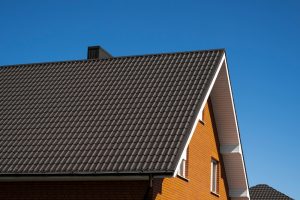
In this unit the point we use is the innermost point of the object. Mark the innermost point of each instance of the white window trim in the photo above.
(214, 176)
(182, 167)
(181, 171)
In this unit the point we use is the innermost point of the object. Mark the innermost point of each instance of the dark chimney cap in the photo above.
(97, 52)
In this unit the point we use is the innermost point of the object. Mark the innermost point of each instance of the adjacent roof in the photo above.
(265, 192)
(118, 115)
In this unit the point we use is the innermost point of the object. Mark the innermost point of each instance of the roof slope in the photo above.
(265, 192)
(118, 115)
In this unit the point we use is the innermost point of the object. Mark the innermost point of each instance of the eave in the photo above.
(130, 176)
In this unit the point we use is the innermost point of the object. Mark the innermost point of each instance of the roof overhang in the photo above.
(221, 97)
(83, 177)
(229, 135)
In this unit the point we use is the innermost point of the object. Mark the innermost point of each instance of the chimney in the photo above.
(96, 52)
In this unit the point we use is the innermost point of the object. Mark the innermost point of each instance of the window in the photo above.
(182, 171)
(214, 176)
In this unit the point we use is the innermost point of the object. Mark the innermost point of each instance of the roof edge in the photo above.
(160, 173)
(229, 134)
(83, 176)
(112, 58)
(237, 123)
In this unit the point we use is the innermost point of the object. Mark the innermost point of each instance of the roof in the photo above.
(265, 192)
(118, 115)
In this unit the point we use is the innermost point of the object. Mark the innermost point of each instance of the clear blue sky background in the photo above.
(262, 39)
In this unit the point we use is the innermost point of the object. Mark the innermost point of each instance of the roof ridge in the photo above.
(112, 58)
(261, 184)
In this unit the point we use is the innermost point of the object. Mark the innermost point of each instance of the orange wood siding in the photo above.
(203, 147)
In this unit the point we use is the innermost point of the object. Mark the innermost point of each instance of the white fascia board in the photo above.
(238, 131)
(234, 146)
(232, 102)
(199, 115)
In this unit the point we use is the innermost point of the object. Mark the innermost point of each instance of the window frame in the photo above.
(181, 171)
(214, 180)
(183, 168)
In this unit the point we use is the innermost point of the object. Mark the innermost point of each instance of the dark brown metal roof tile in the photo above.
(265, 192)
(119, 115)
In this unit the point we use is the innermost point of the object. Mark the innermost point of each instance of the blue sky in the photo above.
(262, 40)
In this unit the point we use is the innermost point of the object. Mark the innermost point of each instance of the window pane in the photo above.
(214, 179)
(181, 171)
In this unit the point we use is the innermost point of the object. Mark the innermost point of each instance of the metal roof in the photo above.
(119, 115)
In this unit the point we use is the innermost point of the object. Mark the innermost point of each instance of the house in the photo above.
(265, 192)
(159, 126)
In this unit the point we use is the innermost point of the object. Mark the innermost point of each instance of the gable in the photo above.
(127, 115)
(228, 132)
(202, 148)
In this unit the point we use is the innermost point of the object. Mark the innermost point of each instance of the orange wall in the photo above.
(203, 146)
